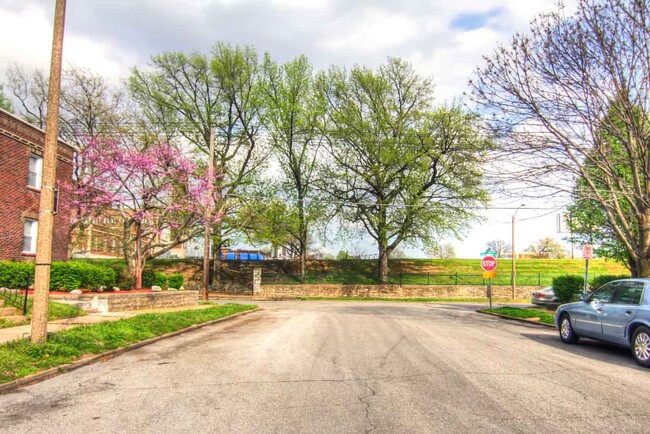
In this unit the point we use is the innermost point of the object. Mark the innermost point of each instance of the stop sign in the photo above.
(489, 263)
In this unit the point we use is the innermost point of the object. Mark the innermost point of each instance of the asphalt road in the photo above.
(346, 367)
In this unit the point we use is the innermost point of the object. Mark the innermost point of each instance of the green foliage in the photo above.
(160, 279)
(547, 247)
(599, 281)
(176, 280)
(15, 275)
(5, 104)
(20, 358)
(152, 277)
(404, 169)
(544, 316)
(565, 287)
(64, 276)
(148, 278)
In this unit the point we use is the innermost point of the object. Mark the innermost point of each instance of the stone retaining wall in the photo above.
(392, 291)
(123, 301)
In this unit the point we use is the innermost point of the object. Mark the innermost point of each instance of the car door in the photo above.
(587, 318)
(617, 314)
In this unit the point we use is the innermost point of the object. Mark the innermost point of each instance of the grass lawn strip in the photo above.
(21, 358)
(544, 316)
(55, 311)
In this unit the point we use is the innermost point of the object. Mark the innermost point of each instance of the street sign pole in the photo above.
(489, 266)
(489, 291)
(587, 254)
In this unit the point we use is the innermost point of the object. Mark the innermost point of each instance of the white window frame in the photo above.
(36, 167)
(30, 229)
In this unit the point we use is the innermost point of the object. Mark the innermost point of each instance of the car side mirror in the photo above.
(583, 297)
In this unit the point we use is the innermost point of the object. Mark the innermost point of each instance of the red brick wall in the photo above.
(18, 141)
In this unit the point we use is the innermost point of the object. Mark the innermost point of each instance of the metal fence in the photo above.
(15, 297)
(453, 279)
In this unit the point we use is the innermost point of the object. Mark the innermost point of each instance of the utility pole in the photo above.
(46, 206)
(513, 275)
(208, 221)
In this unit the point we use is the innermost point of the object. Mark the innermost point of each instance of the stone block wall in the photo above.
(124, 301)
(392, 291)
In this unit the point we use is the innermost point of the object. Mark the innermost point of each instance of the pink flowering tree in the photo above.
(157, 196)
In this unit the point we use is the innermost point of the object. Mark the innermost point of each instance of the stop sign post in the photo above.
(489, 266)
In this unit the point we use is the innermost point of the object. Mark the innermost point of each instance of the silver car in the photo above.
(545, 297)
(618, 313)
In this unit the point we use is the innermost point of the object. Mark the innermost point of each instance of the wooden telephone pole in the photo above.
(208, 221)
(46, 207)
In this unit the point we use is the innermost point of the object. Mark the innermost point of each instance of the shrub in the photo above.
(67, 276)
(160, 279)
(64, 276)
(15, 275)
(599, 281)
(565, 287)
(148, 278)
(176, 280)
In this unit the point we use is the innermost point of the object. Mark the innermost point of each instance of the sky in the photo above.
(444, 40)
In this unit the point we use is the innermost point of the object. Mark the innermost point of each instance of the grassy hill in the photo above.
(405, 271)
(437, 271)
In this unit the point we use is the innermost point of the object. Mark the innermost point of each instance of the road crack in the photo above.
(364, 400)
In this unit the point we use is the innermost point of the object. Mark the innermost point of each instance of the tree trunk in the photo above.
(640, 260)
(303, 239)
(217, 244)
(382, 271)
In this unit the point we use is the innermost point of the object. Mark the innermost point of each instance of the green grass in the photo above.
(545, 316)
(21, 358)
(55, 311)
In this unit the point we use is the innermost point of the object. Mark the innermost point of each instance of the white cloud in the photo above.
(375, 31)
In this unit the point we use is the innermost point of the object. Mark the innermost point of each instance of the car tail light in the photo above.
(541, 294)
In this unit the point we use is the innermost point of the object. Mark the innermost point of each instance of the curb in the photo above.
(89, 360)
(511, 318)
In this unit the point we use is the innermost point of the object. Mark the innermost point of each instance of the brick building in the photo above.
(21, 169)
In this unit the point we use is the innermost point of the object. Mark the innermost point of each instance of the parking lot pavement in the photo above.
(347, 367)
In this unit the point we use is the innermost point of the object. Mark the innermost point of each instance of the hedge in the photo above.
(158, 278)
(64, 276)
(599, 281)
(565, 287)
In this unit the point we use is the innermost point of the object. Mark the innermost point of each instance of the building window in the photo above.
(30, 233)
(35, 172)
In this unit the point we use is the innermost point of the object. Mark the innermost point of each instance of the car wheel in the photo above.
(567, 335)
(641, 346)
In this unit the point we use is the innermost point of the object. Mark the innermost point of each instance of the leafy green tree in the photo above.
(500, 247)
(342, 254)
(397, 166)
(187, 95)
(547, 247)
(570, 101)
(439, 250)
(5, 104)
(293, 115)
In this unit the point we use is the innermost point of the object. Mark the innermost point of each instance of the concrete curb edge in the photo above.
(522, 320)
(89, 360)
